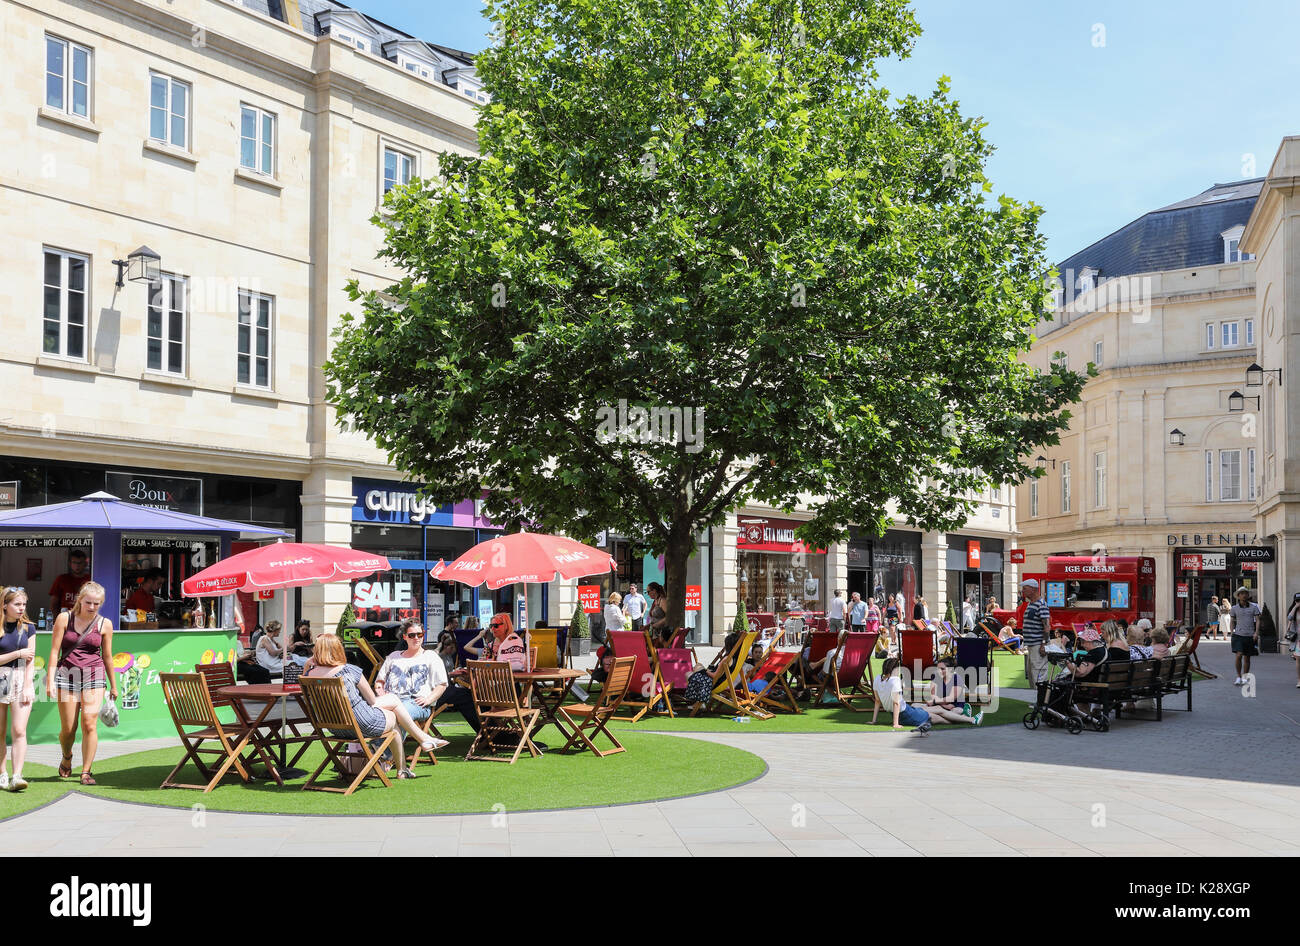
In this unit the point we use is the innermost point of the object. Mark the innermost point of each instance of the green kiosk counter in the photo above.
(139, 657)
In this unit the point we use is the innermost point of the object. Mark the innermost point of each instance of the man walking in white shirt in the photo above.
(835, 616)
(634, 607)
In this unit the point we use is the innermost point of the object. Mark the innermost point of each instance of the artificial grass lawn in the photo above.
(43, 786)
(654, 767)
(820, 719)
(1011, 671)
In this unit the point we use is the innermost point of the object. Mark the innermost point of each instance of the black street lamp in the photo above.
(1177, 438)
(1043, 461)
(1255, 375)
(1237, 402)
(144, 265)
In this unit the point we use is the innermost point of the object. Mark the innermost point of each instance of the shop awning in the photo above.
(103, 511)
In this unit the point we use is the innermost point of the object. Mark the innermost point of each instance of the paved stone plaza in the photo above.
(1223, 780)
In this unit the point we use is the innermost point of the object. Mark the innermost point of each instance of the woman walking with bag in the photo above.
(17, 693)
(81, 655)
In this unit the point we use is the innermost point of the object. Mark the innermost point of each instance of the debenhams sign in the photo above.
(1210, 538)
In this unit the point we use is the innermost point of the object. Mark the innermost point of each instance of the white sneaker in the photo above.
(1237, 682)
(4, 781)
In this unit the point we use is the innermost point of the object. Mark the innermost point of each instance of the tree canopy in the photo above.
(711, 206)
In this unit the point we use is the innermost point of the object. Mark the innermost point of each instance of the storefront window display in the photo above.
(775, 572)
(896, 565)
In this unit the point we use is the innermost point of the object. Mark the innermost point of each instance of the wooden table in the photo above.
(269, 694)
(564, 676)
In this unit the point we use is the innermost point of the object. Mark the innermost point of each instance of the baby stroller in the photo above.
(1055, 703)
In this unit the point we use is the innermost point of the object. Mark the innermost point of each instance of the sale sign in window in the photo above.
(589, 598)
(693, 597)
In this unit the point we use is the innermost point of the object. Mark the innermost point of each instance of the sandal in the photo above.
(65, 767)
(87, 779)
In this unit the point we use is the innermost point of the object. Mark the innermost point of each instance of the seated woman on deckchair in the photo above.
(815, 673)
(701, 682)
(1008, 635)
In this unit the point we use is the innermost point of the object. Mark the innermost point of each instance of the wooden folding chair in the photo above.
(190, 704)
(1190, 651)
(223, 675)
(499, 712)
(999, 644)
(777, 695)
(647, 679)
(370, 654)
(849, 678)
(335, 726)
(596, 716)
(820, 643)
(731, 689)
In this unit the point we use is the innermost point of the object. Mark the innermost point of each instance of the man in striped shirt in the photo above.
(1034, 628)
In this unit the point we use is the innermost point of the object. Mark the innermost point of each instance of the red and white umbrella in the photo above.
(524, 558)
(282, 565)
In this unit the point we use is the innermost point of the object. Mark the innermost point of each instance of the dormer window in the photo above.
(1231, 246)
(348, 26)
(1088, 279)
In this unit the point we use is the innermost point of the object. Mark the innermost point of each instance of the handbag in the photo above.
(108, 715)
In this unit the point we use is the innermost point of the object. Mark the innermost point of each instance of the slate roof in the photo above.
(1178, 236)
(310, 8)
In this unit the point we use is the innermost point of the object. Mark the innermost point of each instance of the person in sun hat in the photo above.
(1245, 632)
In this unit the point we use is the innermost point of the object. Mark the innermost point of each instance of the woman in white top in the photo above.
(888, 692)
(269, 653)
(613, 612)
(1225, 619)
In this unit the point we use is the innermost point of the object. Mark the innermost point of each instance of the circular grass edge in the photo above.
(656, 767)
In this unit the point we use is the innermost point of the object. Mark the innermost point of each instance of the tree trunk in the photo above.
(677, 554)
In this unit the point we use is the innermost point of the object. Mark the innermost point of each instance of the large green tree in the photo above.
(714, 206)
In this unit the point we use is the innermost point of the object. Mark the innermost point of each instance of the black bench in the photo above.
(1115, 683)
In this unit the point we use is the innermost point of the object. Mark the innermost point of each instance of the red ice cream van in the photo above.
(1081, 589)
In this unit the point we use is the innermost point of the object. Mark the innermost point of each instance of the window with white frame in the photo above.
(253, 357)
(1232, 246)
(399, 168)
(165, 326)
(64, 318)
(67, 76)
(169, 110)
(1229, 475)
(1099, 480)
(1209, 335)
(1096, 352)
(1250, 331)
(1065, 486)
(1228, 334)
(257, 140)
(1250, 474)
(1033, 498)
(1209, 476)
(995, 494)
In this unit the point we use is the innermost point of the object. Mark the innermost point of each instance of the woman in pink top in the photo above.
(82, 664)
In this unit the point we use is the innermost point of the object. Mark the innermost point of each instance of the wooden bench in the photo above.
(1125, 681)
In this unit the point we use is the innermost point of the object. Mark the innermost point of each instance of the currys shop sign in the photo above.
(401, 503)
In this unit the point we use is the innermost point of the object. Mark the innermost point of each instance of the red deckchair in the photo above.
(820, 643)
(847, 680)
(777, 694)
(916, 654)
(648, 687)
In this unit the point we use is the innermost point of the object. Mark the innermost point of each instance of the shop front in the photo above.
(975, 572)
(392, 519)
(775, 572)
(105, 540)
(152, 565)
(1201, 573)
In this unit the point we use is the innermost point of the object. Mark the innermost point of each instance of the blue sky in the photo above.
(1178, 98)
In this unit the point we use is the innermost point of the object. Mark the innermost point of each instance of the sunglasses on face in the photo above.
(415, 634)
